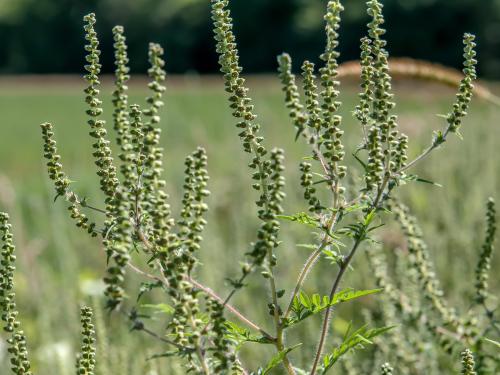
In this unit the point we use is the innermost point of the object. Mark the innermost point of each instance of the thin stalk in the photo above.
(277, 321)
(326, 319)
(303, 275)
(93, 208)
(202, 360)
(426, 152)
(310, 262)
(199, 351)
(343, 267)
(162, 339)
(211, 293)
(233, 310)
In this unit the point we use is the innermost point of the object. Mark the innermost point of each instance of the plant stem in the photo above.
(199, 350)
(310, 262)
(426, 152)
(326, 319)
(343, 267)
(276, 314)
(211, 293)
(162, 339)
(238, 314)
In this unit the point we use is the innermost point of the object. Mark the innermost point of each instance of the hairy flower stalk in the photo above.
(468, 364)
(186, 325)
(292, 96)
(62, 182)
(142, 160)
(426, 275)
(484, 264)
(460, 107)
(156, 199)
(383, 136)
(86, 358)
(19, 361)
(331, 133)
(118, 246)
(363, 109)
(242, 108)
(102, 150)
(120, 96)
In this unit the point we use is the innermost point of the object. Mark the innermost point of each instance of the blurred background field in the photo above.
(60, 268)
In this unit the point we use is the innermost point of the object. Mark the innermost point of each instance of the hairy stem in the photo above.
(233, 310)
(343, 267)
(326, 319)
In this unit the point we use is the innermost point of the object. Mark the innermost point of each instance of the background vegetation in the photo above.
(264, 28)
(53, 253)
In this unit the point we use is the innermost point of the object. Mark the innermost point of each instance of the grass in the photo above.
(60, 267)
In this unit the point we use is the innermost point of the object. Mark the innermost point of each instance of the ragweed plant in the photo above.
(344, 208)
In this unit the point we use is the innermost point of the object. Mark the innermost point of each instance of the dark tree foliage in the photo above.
(38, 35)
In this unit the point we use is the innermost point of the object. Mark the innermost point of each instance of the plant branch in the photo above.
(343, 267)
(427, 151)
(310, 262)
(233, 310)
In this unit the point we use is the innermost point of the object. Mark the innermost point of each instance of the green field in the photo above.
(60, 268)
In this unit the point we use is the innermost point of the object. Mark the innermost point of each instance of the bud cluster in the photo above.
(86, 358)
(17, 349)
(484, 264)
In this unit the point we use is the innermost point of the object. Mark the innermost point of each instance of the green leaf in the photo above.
(423, 180)
(278, 358)
(351, 342)
(305, 306)
(241, 335)
(147, 287)
(301, 218)
(363, 164)
(160, 308)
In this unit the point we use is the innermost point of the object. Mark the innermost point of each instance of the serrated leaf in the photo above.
(301, 218)
(241, 335)
(305, 306)
(351, 342)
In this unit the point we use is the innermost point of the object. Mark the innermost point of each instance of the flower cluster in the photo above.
(62, 182)
(483, 266)
(387, 369)
(186, 325)
(243, 110)
(292, 96)
(17, 349)
(468, 364)
(156, 199)
(86, 358)
(420, 260)
(385, 146)
(122, 76)
(102, 150)
(466, 87)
